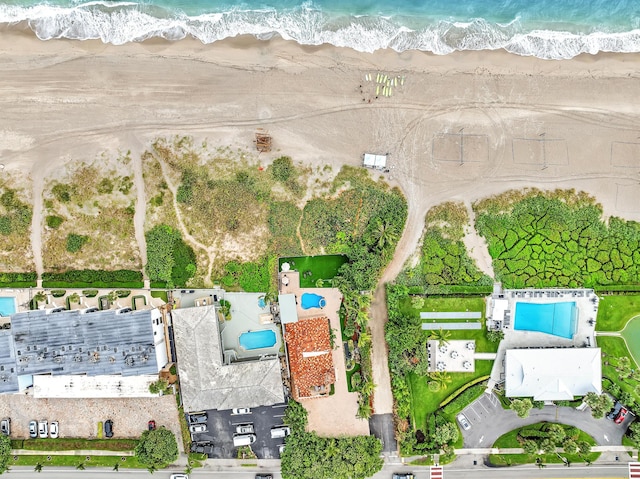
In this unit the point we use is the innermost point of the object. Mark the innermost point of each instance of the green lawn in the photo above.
(323, 267)
(613, 348)
(631, 334)
(72, 444)
(160, 294)
(424, 402)
(444, 304)
(615, 311)
(73, 461)
(510, 440)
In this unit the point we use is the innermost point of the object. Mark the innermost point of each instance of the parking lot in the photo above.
(221, 426)
(79, 417)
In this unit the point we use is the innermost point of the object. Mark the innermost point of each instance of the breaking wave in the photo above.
(123, 22)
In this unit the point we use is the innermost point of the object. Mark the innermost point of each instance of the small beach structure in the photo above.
(377, 162)
(263, 141)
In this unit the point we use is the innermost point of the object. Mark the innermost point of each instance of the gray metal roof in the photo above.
(205, 382)
(8, 375)
(71, 342)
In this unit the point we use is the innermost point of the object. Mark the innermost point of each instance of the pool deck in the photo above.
(333, 415)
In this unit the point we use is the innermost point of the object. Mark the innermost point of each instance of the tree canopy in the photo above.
(157, 448)
(5, 453)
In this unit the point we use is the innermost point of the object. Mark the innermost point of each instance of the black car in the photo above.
(108, 428)
(202, 447)
(198, 418)
(264, 476)
(614, 412)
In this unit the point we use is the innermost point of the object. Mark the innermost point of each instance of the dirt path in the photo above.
(476, 245)
(141, 211)
(36, 222)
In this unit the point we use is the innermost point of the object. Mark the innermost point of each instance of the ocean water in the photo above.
(550, 29)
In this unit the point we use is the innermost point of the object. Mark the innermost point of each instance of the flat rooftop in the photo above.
(73, 342)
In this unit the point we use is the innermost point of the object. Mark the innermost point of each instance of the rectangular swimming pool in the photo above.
(265, 338)
(7, 305)
(558, 319)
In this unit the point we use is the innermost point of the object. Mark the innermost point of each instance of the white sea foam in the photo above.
(122, 22)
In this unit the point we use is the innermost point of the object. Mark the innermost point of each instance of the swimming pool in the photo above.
(558, 319)
(312, 300)
(264, 338)
(7, 305)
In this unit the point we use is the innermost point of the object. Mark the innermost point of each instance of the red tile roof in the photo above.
(310, 356)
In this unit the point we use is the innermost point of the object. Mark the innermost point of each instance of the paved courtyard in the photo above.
(80, 417)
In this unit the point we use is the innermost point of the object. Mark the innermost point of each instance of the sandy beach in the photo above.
(463, 126)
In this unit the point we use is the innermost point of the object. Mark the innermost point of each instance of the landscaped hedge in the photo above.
(87, 278)
(466, 394)
(17, 280)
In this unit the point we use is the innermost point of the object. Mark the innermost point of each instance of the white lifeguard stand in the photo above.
(376, 162)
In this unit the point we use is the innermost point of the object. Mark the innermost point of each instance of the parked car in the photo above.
(33, 429)
(200, 418)
(108, 428)
(621, 415)
(179, 476)
(241, 410)
(197, 428)
(151, 425)
(43, 429)
(264, 476)
(406, 475)
(462, 419)
(281, 449)
(244, 440)
(244, 429)
(614, 412)
(202, 447)
(279, 432)
(5, 426)
(53, 430)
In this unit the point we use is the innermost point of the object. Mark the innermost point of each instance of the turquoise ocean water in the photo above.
(551, 29)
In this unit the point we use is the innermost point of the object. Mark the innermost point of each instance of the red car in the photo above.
(621, 415)
(152, 425)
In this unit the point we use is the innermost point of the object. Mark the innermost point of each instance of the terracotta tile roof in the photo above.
(310, 356)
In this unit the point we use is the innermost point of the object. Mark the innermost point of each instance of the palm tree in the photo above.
(443, 379)
(38, 467)
(80, 466)
(441, 335)
(385, 233)
(116, 466)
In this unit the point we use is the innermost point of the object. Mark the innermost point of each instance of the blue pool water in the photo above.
(558, 319)
(312, 300)
(7, 306)
(265, 338)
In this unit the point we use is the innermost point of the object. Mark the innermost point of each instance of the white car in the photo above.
(179, 476)
(462, 419)
(244, 429)
(43, 429)
(241, 410)
(197, 428)
(53, 430)
(33, 429)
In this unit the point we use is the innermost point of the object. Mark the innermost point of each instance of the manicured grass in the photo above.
(73, 461)
(160, 294)
(323, 267)
(510, 440)
(424, 402)
(613, 348)
(615, 311)
(442, 304)
(631, 333)
(72, 444)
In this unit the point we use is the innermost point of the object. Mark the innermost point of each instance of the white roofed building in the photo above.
(551, 374)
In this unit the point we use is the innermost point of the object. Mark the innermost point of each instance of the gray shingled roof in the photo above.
(70, 342)
(8, 375)
(205, 382)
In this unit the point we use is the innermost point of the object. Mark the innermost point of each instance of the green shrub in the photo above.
(93, 278)
(62, 192)
(54, 221)
(5, 225)
(58, 293)
(123, 293)
(169, 258)
(90, 293)
(17, 279)
(75, 242)
(282, 169)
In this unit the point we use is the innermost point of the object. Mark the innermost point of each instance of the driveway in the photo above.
(489, 421)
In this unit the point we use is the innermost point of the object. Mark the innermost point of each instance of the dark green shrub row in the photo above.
(464, 396)
(17, 280)
(84, 278)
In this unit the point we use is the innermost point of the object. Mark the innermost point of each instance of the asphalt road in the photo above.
(524, 472)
